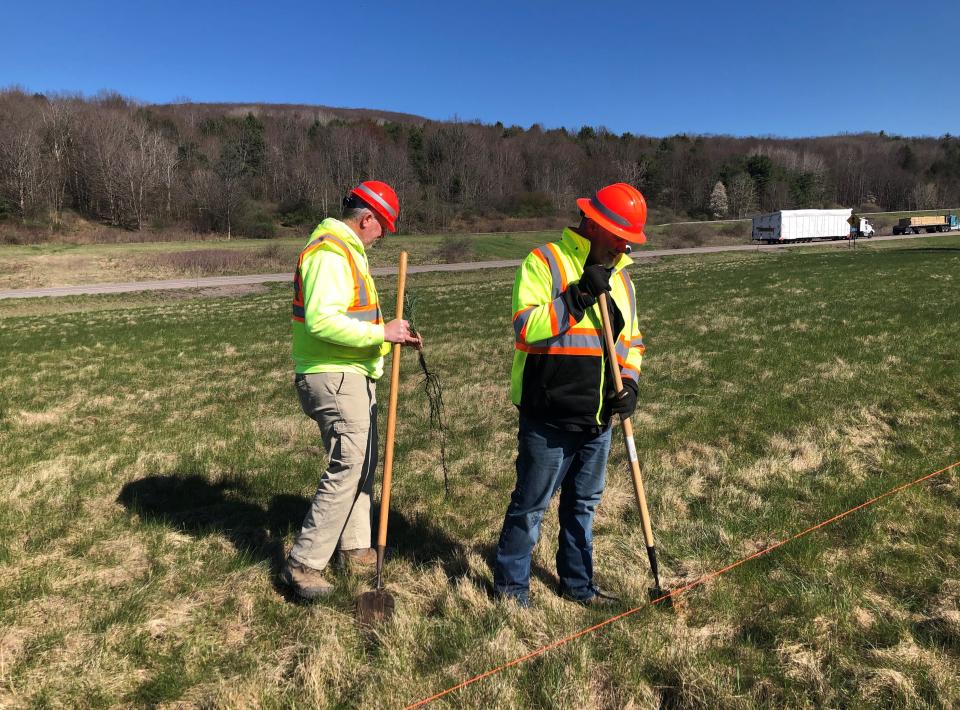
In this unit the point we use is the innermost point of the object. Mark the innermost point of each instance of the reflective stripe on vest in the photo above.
(576, 341)
(361, 308)
(628, 343)
(548, 256)
(559, 313)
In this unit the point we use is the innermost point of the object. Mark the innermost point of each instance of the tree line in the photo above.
(247, 169)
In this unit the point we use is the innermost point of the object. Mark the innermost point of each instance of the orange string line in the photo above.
(676, 592)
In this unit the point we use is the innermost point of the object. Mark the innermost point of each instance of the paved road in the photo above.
(215, 281)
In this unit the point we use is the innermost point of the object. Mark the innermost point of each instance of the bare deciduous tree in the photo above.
(119, 162)
(742, 195)
(22, 168)
(141, 165)
(924, 196)
(58, 124)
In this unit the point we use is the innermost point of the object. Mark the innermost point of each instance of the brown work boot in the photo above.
(360, 559)
(305, 581)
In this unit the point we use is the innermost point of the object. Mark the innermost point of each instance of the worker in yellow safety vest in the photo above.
(564, 391)
(339, 340)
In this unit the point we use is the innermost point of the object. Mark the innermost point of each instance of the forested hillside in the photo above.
(251, 169)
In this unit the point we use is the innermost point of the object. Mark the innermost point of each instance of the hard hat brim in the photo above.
(391, 225)
(586, 206)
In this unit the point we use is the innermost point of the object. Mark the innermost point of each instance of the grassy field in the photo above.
(155, 465)
(33, 266)
(69, 264)
(39, 265)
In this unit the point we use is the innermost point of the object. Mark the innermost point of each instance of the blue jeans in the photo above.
(550, 459)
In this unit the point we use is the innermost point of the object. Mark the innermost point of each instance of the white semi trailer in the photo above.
(807, 225)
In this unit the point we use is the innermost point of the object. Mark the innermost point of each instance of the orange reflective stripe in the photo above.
(362, 302)
(560, 269)
(297, 291)
(336, 241)
(522, 311)
(520, 320)
(554, 323)
(345, 250)
(631, 298)
(548, 255)
(559, 350)
(312, 246)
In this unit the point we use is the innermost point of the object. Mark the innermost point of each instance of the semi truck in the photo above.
(808, 225)
(927, 223)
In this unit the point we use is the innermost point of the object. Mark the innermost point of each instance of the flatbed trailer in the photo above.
(929, 223)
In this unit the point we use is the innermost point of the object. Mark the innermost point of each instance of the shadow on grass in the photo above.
(419, 541)
(192, 504)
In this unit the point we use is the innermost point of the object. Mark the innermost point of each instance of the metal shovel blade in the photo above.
(659, 598)
(375, 606)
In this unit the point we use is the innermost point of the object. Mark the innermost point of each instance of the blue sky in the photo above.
(748, 68)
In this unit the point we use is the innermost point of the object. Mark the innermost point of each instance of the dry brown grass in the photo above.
(175, 603)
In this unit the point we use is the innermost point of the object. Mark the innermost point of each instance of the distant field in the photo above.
(154, 466)
(64, 264)
(35, 266)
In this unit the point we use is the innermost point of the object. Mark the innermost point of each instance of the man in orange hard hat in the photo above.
(339, 340)
(563, 391)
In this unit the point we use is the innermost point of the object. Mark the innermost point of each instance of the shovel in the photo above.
(657, 593)
(378, 605)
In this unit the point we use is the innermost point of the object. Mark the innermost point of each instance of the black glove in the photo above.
(623, 402)
(595, 280)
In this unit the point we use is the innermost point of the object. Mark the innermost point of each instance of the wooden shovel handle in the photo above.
(391, 413)
(638, 489)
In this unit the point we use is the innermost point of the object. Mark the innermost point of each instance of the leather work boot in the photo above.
(307, 582)
(360, 559)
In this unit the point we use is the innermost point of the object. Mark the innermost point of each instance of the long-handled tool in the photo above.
(657, 593)
(378, 604)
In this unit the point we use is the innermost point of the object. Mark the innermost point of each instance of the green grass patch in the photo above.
(155, 466)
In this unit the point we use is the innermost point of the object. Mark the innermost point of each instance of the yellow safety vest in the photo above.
(559, 365)
(336, 319)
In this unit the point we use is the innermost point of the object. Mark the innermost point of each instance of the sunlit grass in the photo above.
(154, 464)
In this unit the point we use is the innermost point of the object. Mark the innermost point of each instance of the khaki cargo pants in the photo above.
(344, 405)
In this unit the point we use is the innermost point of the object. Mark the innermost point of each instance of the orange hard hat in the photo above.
(381, 198)
(618, 208)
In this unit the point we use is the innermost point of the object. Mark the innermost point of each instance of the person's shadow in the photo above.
(194, 505)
